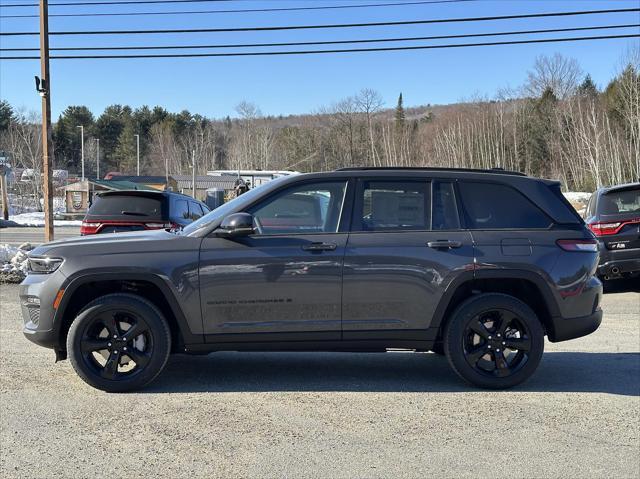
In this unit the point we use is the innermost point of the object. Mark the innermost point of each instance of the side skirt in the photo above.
(356, 346)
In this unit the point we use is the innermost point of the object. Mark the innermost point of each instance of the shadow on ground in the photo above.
(613, 373)
(622, 286)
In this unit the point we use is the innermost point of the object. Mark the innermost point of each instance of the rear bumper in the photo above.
(616, 267)
(564, 329)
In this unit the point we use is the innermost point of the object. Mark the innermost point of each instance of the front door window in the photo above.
(307, 209)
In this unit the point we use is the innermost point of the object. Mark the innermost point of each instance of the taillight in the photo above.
(89, 228)
(606, 229)
(579, 245)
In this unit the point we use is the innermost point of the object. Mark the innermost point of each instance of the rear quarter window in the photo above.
(495, 206)
(180, 209)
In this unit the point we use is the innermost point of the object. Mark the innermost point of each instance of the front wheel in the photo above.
(494, 341)
(119, 343)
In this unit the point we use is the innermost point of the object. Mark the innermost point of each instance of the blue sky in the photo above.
(299, 84)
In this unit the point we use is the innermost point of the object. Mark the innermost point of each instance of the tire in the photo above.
(125, 331)
(494, 341)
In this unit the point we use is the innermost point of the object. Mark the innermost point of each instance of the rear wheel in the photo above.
(119, 342)
(494, 341)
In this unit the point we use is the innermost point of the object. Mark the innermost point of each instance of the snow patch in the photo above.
(13, 262)
(578, 200)
(36, 218)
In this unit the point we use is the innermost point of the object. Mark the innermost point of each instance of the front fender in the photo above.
(183, 296)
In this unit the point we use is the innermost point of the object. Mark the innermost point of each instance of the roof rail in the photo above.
(498, 171)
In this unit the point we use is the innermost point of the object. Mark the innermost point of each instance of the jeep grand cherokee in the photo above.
(478, 265)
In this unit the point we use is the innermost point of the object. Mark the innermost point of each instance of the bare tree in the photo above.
(24, 141)
(370, 102)
(558, 73)
(345, 117)
(629, 106)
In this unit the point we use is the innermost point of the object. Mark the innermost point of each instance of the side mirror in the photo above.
(236, 225)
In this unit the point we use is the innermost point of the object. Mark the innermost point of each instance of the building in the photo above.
(204, 183)
(253, 177)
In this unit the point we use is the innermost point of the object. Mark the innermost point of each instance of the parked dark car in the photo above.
(137, 210)
(478, 265)
(613, 214)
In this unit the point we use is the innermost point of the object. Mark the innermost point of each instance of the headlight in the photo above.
(44, 265)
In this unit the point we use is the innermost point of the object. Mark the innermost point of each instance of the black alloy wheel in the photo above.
(494, 341)
(119, 342)
(497, 343)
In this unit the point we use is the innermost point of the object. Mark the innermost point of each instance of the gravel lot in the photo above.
(327, 415)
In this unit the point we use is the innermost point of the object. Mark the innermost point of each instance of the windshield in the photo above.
(235, 204)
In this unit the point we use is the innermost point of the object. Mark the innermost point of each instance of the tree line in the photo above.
(559, 124)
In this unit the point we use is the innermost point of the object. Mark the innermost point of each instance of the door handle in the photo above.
(320, 247)
(444, 244)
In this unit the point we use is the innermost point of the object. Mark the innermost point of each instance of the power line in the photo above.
(244, 10)
(315, 52)
(119, 2)
(339, 25)
(331, 42)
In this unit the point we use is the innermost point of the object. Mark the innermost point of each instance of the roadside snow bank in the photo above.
(13, 262)
(578, 200)
(36, 218)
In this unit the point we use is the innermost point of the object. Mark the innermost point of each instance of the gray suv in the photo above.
(478, 265)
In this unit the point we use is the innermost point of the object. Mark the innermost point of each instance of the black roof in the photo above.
(141, 179)
(627, 186)
(146, 193)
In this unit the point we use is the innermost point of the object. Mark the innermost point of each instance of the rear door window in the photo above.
(130, 206)
(495, 206)
(393, 206)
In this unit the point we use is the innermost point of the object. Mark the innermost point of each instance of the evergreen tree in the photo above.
(588, 89)
(108, 128)
(125, 154)
(400, 114)
(67, 136)
(6, 115)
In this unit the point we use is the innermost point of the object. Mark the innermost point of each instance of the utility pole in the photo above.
(3, 186)
(82, 149)
(193, 165)
(166, 169)
(98, 158)
(47, 147)
(138, 152)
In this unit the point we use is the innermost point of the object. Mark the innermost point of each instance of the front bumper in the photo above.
(46, 339)
(38, 321)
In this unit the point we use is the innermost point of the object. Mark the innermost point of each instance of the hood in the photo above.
(106, 243)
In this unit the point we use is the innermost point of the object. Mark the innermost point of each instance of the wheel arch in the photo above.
(527, 286)
(82, 290)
